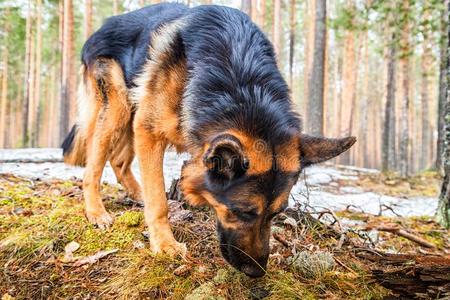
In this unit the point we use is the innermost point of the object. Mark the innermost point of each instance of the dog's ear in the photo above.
(224, 158)
(315, 150)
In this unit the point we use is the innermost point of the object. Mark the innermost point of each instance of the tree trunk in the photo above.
(443, 212)
(88, 18)
(309, 44)
(261, 13)
(3, 101)
(404, 120)
(292, 43)
(254, 10)
(26, 96)
(32, 94)
(411, 276)
(363, 135)
(388, 147)
(37, 89)
(276, 32)
(442, 88)
(246, 6)
(67, 82)
(348, 86)
(316, 80)
(115, 7)
(425, 118)
(4, 90)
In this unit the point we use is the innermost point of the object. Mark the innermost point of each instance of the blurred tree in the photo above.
(276, 31)
(68, 73)
(88, 18)
(317, 77)
(442, 84)
(443, 212)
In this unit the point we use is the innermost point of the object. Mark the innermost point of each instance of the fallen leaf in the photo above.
(182, 270)
(69, 249)
(92, 259)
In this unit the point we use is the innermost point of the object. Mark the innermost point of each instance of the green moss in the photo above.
(130, 218)
(30, 243)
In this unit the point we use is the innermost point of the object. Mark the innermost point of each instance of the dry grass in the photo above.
(37, 220)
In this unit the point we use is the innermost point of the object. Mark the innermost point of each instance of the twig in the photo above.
(344, 266)
(281, 239)
(407, 235)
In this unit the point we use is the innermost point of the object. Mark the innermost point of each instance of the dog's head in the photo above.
(247, 182)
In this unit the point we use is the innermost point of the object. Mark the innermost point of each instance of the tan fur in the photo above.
(105, 130)
(288, 156)
(257, 152)
(156, 125)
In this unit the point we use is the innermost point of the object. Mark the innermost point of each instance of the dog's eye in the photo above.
(245, 215)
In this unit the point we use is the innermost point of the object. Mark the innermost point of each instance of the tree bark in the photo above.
(388, 147)
(316, 80)
(443, 212)
(411, 276)
(442, 88)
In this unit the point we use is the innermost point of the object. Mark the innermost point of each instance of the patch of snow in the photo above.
(350, 190)
(310, 193)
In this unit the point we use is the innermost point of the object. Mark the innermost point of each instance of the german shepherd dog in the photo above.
(204, 80)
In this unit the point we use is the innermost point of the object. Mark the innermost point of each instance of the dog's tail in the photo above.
(74, 145)
(74, 148)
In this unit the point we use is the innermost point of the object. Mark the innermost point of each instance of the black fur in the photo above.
(67, 145)
(234, 81)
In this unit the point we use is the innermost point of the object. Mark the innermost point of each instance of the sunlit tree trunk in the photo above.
(348, 86)
(308, 44)
(67, 82)
(115, 7)
(254, 10)
(317, 78)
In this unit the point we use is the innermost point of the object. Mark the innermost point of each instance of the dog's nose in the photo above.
(253, 270)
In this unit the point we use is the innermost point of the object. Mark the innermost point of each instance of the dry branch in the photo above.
(407, 235)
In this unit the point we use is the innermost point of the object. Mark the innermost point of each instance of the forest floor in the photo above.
(48, 250)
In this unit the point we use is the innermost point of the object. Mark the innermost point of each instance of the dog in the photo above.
(205, 81)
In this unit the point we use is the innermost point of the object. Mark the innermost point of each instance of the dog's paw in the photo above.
(102, 220)
(172, 248)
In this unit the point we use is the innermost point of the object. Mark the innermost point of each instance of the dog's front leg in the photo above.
(150, 152)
